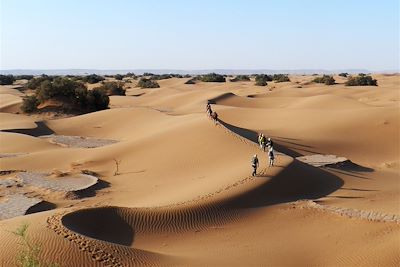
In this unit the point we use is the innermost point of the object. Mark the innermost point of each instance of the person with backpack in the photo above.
(263, 142)
(270, 143)
(254, 164)
(271, 156)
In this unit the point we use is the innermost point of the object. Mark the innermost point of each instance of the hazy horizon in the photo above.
(200, 35)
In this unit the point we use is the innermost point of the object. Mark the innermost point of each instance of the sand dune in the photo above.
(183, 194)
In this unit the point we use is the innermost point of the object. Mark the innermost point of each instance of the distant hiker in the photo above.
(271, 156)
(215, 117)
(270, 144)
(263, 142)
(259, 139)
(208, 109)
(254, 164)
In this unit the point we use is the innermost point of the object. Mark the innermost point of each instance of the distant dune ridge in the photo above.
(171, 188)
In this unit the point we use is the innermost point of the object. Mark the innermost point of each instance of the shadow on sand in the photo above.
(40, 130)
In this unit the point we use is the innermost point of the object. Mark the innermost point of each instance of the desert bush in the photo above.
(92, 78)
(148, 74)
(326, 79)
(211, 77)
(361, 80)
(6, 79)
(23, 77)
(97, 100)
(59, 87)
(118, 77)
(240, 78)
(191, 81)
(34, 83)
(74, 94)
(161, 77)
(112, 88)
(343, 74)
(281, 78)
(262, 79)
(29, 104)
(147, 83)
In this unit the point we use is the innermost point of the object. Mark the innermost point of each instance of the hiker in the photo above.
(208, 109)
(254, 164)
(259, 139)
(271, 156)
(263, 142)
(270, 144)
(215, 117)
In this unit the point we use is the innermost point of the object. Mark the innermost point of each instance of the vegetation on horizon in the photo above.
(262, 79)
(240, 78)
(211, 77)
(7, 79)
(279, 78)
(73, 95)
(147, 83)
(326, 79)
(361, 80)
(112, 88)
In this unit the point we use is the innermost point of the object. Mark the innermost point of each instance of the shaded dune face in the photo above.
(105, 224)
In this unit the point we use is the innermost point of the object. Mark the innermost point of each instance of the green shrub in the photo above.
(118, 77)
(36, 82)
(147, 83)
(343, 74)
(262, 79)
(6, 79)
(112, 88)
(240, 78)
(23, 77)
(92, 78)
(161, 77)
(326, 79)
(97, 100)
(280, 78)
(212, 77)
(59, 87)
(361, 80)
(74, 94)
(29, 104)
(191, 81)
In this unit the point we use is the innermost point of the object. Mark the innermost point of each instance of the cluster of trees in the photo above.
(279, 78)
(112, 88)
(92, 78)
(343, 74)
(6, 79)
(361, 80)
(10, 79)
(239, 78)
(211, 77)
(326, 79)
(147, 83)
(262, 79)
(34, 83)
(74, 95)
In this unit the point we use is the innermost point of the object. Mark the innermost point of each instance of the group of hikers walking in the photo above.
(264, 143)
(212, 114)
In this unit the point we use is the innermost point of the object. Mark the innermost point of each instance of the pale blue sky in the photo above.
(242, 34)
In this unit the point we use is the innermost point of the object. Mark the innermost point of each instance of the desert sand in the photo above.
(183, 194)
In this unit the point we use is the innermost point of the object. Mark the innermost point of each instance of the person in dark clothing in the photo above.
(254, 164)
(271, 156)
(270, 143)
